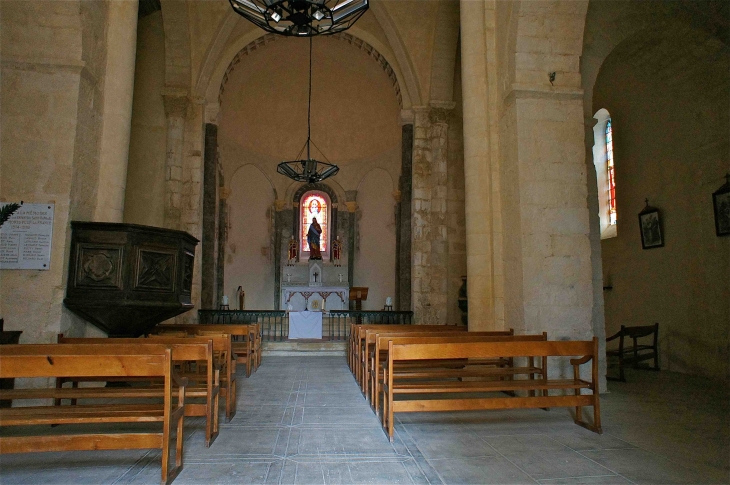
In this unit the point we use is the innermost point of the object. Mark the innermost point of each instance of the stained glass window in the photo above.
(611, 174)
(314, 205)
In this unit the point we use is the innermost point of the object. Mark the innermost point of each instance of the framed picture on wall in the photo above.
(650, 227)
(721, 204)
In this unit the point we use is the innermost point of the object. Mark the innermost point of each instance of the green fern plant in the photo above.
(7, 210)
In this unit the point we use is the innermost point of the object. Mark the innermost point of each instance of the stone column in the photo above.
(223, 194)
(279, 206)
(477, 168)
(176, 103)
(121, 39)
(429, 235)
(403, 224)
(210, 186)
(351, 196)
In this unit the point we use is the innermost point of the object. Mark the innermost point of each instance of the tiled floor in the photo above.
(303, 420)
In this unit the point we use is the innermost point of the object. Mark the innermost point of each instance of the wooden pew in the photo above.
(243, 338)
(452, 397)
(500, 368)
(368, 345)
(203, 384)
(225, 360)
(358, 334)
(124, 361)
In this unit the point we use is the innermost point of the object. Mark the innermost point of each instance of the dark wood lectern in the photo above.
(358, 294)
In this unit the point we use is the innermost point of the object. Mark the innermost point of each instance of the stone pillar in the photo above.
(477, 168)
(121, 37)
(351, 196)
(222, 240)
(403, 224)
(176, 103)
(279, 206)
(210, 186)
(429, 235)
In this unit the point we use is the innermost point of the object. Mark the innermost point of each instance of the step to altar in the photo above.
(304, 347)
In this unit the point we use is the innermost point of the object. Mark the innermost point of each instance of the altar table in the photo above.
(305, 325)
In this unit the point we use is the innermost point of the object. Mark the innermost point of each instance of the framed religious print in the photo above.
(721, 204)
(650, 227)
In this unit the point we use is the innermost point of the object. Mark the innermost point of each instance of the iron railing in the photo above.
(275, 323)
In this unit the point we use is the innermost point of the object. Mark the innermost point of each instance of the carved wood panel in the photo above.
(99, 266)
(155, 270)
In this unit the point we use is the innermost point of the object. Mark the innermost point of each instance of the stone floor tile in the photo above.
(644, 467)
(366, 442)
(601, 480)
(582, 439)
(237, 472)
(339, 415)
(481, 470)
(524, 443)
(379, 473)
(262, 416)
(438, 441)
(556, 464)
(241, 440)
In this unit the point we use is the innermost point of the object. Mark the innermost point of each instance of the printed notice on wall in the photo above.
(25, 238)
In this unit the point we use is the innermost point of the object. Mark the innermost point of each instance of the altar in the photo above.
(305, 325)
(305, 297)
(315, 285)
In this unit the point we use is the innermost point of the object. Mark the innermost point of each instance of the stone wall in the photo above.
(670, 146)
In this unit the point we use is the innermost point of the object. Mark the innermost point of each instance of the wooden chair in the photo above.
(632, 354)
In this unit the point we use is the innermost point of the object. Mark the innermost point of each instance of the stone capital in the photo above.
(397, 196)
(279, 205)
(224, 193)
(439, 115)
(406, 117)
(176, 102)
(212, 112)
(351, 206)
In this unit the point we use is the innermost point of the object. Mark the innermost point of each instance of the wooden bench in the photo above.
(435, 395)
(125, 361)
(357, 334)
(369, 346)
(636, 352)
(452, 370)
(225, 359)
(243, 338)
(203, 383)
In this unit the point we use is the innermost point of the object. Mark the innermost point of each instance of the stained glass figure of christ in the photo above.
(314, 205)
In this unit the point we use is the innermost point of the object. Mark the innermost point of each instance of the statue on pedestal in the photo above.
(292, 257)
(337, 251)
(315, 230)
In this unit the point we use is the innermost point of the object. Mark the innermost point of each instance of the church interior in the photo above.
(524, 166)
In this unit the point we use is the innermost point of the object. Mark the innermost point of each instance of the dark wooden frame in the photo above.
(721, 195)
(644, 215)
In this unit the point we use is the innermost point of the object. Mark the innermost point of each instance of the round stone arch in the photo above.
(296, 199)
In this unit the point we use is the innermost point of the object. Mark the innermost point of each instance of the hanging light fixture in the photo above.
(308, 170)
(301, 18)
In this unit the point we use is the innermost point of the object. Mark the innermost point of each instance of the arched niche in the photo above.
(297, 225)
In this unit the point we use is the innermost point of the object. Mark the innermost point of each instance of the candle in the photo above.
(225, 299)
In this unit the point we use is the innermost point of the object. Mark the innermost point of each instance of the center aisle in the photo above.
(301, 420)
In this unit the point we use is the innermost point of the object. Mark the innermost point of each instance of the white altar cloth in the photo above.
(305, 325)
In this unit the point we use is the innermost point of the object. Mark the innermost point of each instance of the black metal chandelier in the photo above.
(308, 170)
(301, 18)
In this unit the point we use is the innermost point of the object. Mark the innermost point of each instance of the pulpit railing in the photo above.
(340, 320)
(275, 323)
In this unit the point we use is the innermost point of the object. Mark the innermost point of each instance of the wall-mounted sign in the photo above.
(25, 238)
